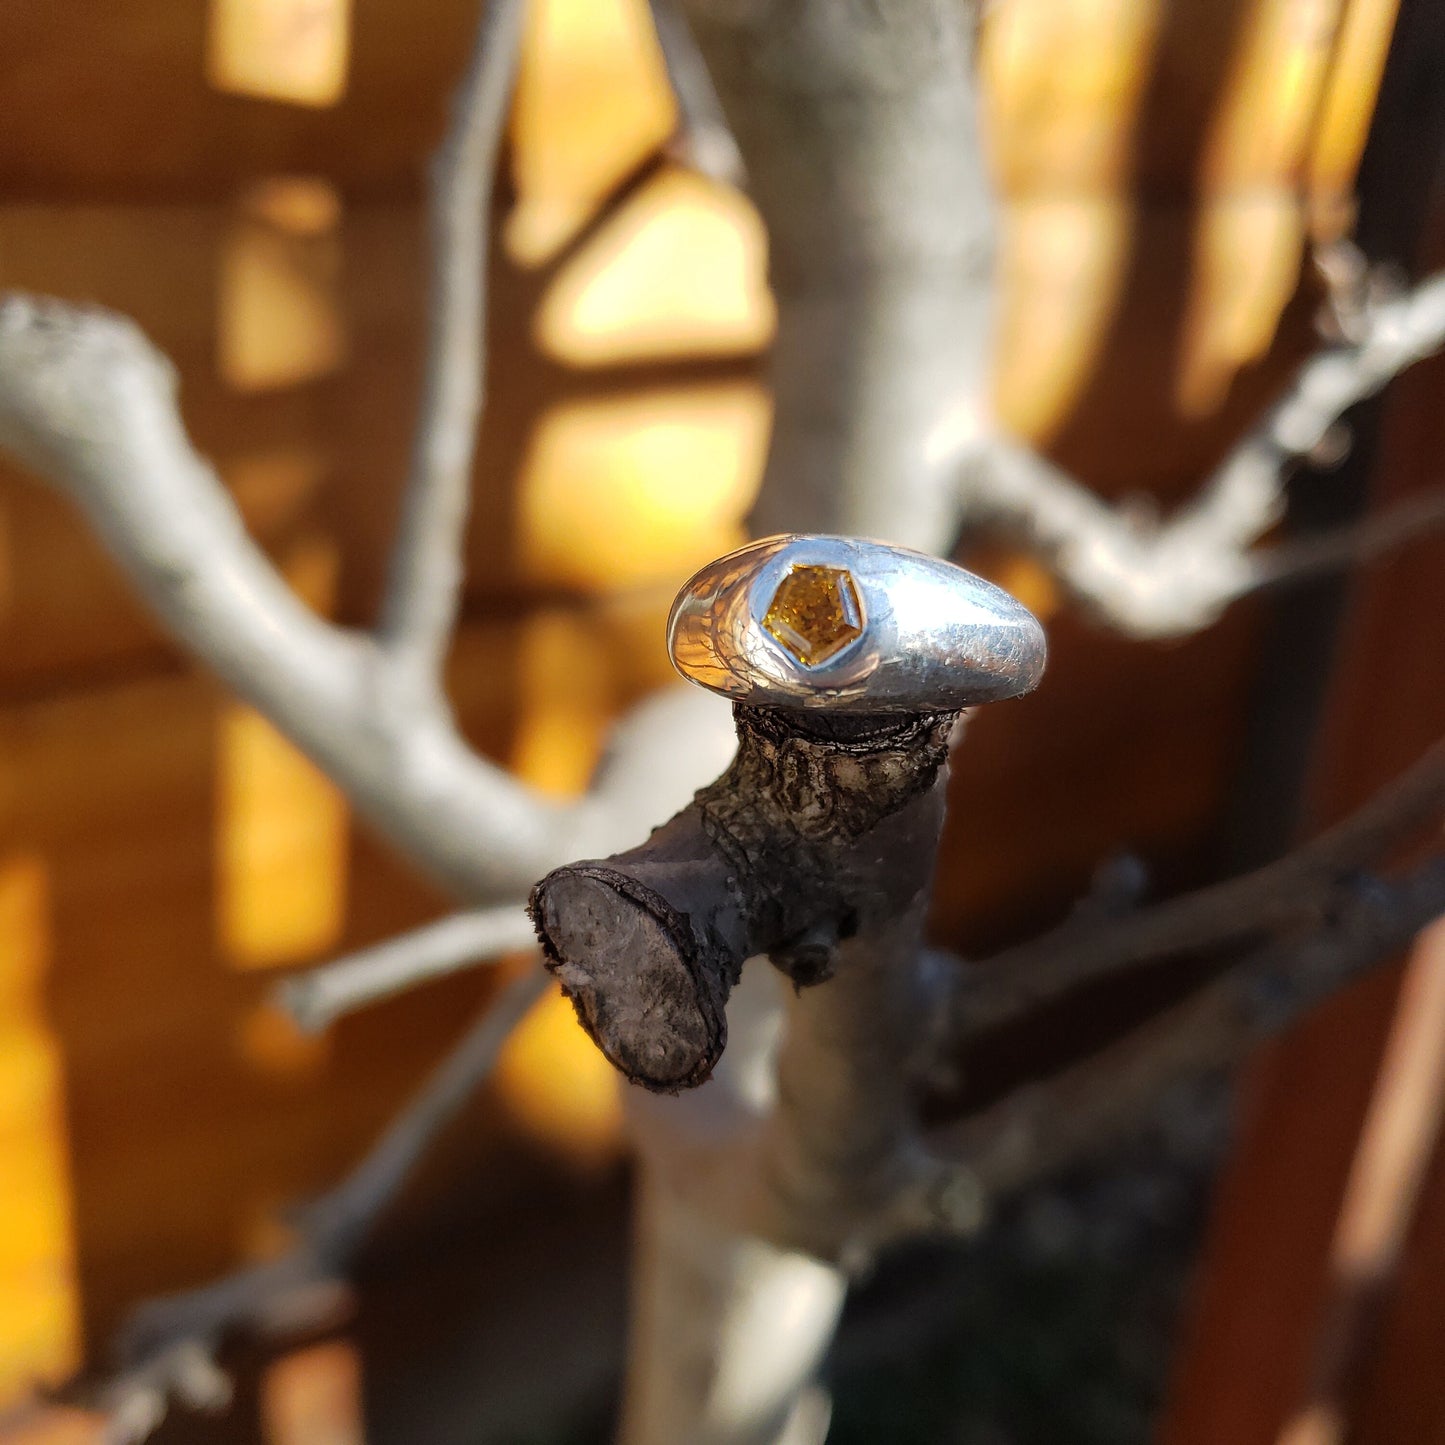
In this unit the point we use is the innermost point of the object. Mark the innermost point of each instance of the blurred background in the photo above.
(244, 178)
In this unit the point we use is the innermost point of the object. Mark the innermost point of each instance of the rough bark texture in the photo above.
(822, 829)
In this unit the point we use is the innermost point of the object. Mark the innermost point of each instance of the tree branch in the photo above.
(168, 1346)
(703, 140)
(1048, 1126)
(859, 128)
(317, 998)
(425, 584)
(86, 400)
(1152, 579)
(1299, 889)
(824, 827)
(1411, 520)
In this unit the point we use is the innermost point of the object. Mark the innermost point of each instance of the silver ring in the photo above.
(856, 626)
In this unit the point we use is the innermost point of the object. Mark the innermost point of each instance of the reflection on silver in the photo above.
(931, 637)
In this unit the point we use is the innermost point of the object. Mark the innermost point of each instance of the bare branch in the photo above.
(169, 1345)
(860, 134)
(86, 400)
(703, 140)
(317, 998)
(1045, 1127)
(1375, 536)
(426, 567)
(1301, 888)
(648, 944)
(1153, 579)
(1394, 333)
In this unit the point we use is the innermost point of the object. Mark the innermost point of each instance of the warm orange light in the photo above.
(295, 205)
(273, 488)
(39, 1309)
(592, 100)
(282, 832)
(1393, 1155)
(288, 50)
(1060, 267)
(1027, 578)
(1349, 106)
(1397, 1141)
(558, 1086)
(1248, 250)
(280, 320)
(60, 1425)
(313, 1397)
(1062, 82)
(270, 1043)
(1314, 1425)
(680, 271)
(564, 702)
(639, 489)
(281, 847)
(1249, 239)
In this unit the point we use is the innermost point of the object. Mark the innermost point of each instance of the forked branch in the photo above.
(1297, 892)
(1169, 579)
(1048, 1126)
(169, 1345)
(87, 401)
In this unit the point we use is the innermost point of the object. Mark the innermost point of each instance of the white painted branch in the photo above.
(859, 128)
(842, 1147)
(727, 1329)
(317, 998)
(1152, 579)
(88, 402)
(424, 587)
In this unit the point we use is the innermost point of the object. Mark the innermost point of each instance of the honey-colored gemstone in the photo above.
(815, 613)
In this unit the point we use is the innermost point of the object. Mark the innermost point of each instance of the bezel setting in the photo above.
(933, 636)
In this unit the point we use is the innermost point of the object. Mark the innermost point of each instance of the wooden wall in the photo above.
(243, 178)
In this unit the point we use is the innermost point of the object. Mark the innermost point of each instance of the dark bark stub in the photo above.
(822, 826)
(667, 1027)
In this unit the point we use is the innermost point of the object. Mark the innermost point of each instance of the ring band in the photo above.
(837, 622)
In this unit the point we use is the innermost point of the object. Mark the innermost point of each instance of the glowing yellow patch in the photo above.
(815, 613)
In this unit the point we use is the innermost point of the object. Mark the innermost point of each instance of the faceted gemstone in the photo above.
(815, 613)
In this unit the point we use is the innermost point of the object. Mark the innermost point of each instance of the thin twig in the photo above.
(703, 140)
(168, 1346)
(1050, 1125)
(1152, 579)
(424, 587)
(319, 997)
(1296, 889)
(1410, 520)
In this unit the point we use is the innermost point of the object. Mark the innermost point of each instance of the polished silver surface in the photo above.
(931, 636)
